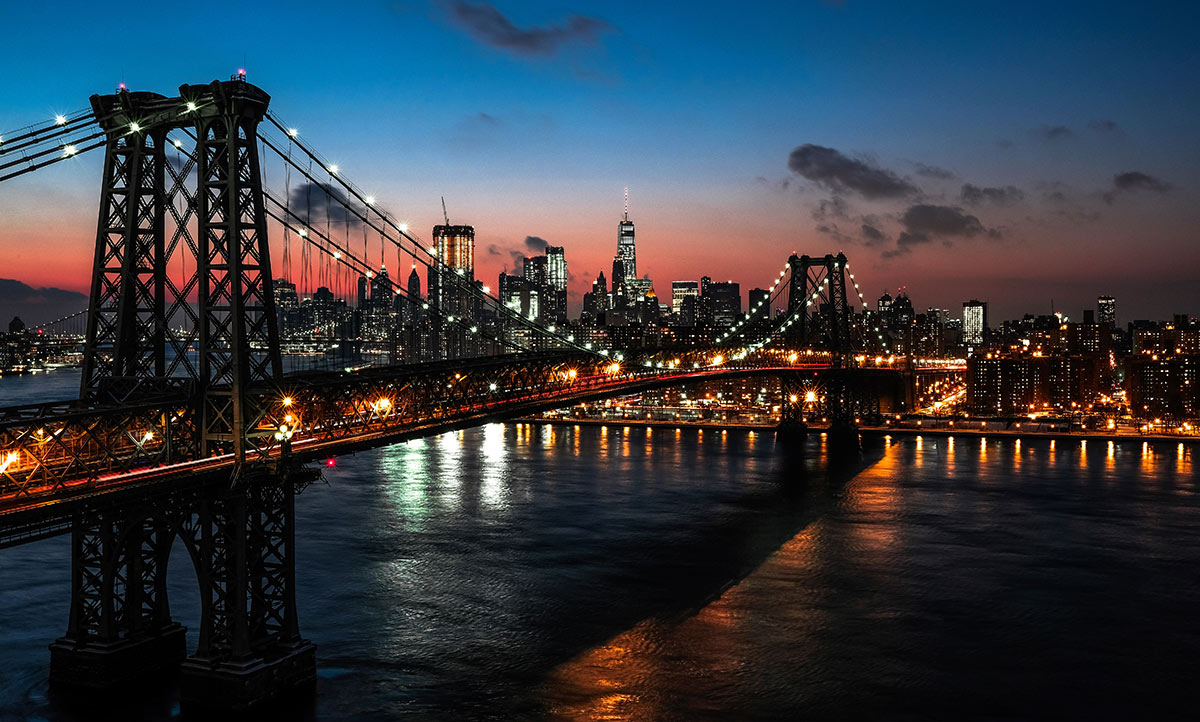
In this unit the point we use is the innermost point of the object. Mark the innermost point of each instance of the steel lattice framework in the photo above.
(186, 428)
(817, 299)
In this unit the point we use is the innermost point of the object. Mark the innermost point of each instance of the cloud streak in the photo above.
(839, 173)
(974, 195)
(925, 223)
(1134, 180)
(491, 27)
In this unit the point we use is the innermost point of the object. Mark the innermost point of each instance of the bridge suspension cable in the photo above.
(752, 312)
(341, 254)
(415, 248)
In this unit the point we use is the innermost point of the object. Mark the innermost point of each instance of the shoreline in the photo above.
(873, 430)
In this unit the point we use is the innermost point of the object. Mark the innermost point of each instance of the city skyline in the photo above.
(1051, 165)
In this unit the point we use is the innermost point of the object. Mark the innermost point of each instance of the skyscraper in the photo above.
(975, 322)
(1107, 310)
(450, 294)
(625, 262)
(726, 302)
(681, 290)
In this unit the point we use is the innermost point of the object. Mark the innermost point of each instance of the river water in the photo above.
(581, 573)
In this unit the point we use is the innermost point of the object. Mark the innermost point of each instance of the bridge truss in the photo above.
(187, 426)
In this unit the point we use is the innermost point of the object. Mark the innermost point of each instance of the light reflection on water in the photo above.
(522, 571)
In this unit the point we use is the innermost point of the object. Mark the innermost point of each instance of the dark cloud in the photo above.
(872, 235)
(534, 243)
(925, 222)
(490, 26)
(931, 220)
(1135, 181)
(1104, 126)
(319, 203)
(932, 171)
(37, 305)
(1002, 196)
(1055, 132)
(839, 173)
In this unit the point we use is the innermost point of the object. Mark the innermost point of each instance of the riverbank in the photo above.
(893, 430)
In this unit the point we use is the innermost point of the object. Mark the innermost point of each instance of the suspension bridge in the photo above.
(187, 425)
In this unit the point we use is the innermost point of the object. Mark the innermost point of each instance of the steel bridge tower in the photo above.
(817, 296)
(144, 340)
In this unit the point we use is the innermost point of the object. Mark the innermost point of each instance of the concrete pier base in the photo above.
(91, 666)
(245, 685)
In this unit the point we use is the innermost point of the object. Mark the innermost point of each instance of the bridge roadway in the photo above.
(145, 450)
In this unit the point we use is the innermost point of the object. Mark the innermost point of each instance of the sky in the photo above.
(1035, 155)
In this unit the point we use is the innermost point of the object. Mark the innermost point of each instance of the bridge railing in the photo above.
(56, 447)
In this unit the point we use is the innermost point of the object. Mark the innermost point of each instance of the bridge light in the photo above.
(60, 120)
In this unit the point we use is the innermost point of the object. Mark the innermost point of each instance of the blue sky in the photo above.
(531, 117)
